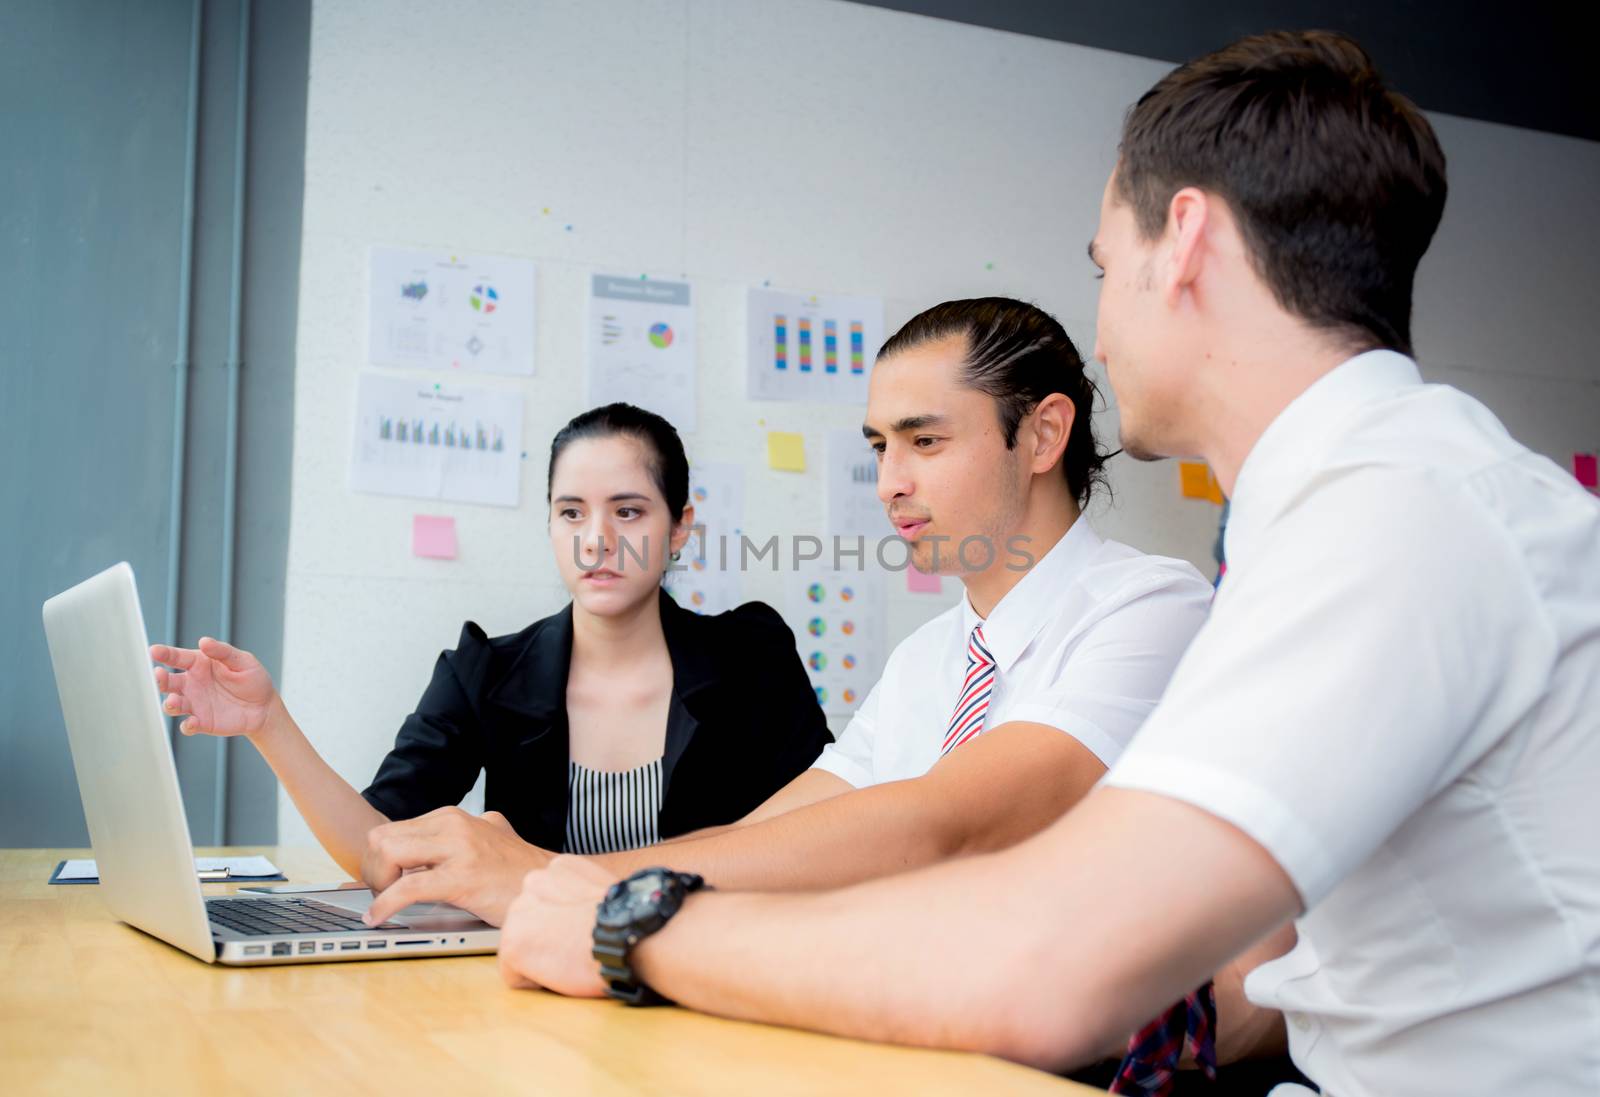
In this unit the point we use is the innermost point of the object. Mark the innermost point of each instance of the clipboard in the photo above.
(221, 875)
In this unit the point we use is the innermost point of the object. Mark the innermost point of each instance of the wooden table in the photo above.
(91, 1006)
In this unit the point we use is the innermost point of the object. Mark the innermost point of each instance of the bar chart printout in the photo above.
(814, 348)
(854, 509)
(434, 441)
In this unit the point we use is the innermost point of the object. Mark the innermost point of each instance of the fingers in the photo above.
(413, 887)
(395, 847)
(514, 980)
(509, 971)
(512, 943)
(175, 703)
(546, 940)
(498, 820)
(179, 658)
(229, 656)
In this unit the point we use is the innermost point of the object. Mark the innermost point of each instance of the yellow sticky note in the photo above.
(786, 451)
(1193, 478)
(1197, 481)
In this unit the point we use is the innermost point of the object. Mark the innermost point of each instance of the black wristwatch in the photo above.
(631, 911)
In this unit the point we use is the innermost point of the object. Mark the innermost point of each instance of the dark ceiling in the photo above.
(1529, 64)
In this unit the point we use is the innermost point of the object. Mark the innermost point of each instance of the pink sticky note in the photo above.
(920, 583)
(1586, 467)
(433, 535)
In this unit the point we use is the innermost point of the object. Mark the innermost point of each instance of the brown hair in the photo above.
(1337, 181)
(667, 463)
(1018, 354)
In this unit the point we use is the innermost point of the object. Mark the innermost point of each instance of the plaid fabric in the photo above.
(1153, 1052)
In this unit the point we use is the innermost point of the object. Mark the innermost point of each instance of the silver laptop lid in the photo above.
(126, 776)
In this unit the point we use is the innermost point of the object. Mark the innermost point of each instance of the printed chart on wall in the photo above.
(854, 509)
(641, 346)
(432, 441)
(838, 623)
(434, 310)
(816, 348)
(711, 558)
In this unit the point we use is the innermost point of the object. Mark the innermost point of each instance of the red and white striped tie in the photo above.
(967, 721)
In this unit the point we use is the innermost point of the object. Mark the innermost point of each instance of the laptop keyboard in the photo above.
(258, 917)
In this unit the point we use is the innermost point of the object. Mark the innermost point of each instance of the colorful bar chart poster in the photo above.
(854, 509)
(641, 346)
(838, 622)
(814, 348)
(707, 578)
(436, 441)
(438, 311)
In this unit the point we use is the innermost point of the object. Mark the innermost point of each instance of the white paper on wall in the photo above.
(854, 508)
(641, 346)
(838, 621)
(439, 311)
(709, 580)
(437, 441)
(817, 348)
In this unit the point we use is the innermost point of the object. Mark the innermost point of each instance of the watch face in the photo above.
(633, 899)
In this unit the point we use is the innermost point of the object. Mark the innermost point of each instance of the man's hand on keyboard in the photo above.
(475, 862)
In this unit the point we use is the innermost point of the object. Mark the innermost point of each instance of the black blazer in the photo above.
(743, 722)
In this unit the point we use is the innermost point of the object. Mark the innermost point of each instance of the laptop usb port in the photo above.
(349, 946)
(371, 945)
(419, 941)
(307, 946)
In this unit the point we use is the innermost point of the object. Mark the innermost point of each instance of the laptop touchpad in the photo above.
(427, 916)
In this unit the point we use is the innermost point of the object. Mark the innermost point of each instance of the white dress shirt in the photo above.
(1085, 643)
(1398, 696)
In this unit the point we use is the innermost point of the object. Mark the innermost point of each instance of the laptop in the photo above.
(129, 787)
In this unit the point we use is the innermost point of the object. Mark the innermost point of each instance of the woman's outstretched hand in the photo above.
(220, 689)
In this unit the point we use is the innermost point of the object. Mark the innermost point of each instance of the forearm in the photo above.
(697, 835)
(856, 963)
(336, 813)
(1003, 787)
(1244, 1029)
(1019, 954)
(817, 846)
(810, 787)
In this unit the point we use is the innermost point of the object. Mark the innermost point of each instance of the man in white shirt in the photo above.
(1081, 642)
(985, 462)
(1387, 731)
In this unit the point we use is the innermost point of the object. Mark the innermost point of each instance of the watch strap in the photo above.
(614, 945)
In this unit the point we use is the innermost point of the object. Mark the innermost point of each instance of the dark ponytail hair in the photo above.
(668, 465)
(1018, 354)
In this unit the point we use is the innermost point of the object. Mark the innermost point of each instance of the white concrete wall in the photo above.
(813, 144)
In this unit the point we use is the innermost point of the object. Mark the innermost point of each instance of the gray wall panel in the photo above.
(93, 97)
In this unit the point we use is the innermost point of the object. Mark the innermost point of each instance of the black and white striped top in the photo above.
(611, 812)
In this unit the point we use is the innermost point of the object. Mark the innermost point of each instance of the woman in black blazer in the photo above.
(743, 721)
(619, 721)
